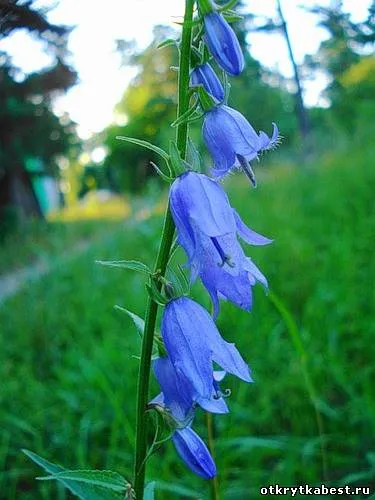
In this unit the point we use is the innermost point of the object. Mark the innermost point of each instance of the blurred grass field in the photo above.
(68, 365)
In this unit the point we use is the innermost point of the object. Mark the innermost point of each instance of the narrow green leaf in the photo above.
(134, 265)
(87, 485)
(228, 5)
(146, 145)
(232, 17)
(156, 295)
(149, 493)
(167, 43)
(138, 322)
(185, 116)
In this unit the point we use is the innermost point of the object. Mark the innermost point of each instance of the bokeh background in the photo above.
(73, 76)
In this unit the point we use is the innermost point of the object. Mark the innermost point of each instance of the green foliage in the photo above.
(86, 484)
(68, 358)
(341, 56)
(149, 105)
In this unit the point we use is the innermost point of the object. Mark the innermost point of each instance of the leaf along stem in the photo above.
(161, 264)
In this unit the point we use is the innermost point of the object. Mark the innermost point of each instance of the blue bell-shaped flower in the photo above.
(207, 228)
(233, 142)
(193, 342)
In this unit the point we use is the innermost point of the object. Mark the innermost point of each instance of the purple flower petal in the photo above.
(247, 234)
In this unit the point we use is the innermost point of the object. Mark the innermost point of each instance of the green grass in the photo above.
(34, 241)
(69, 372)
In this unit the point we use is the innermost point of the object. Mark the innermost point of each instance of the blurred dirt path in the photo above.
(14, 281)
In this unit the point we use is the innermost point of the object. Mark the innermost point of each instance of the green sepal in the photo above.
(177, 164)
(227, 86)
(193, 156)
(175, 286)
(146, 145)
(185, 116)
(155, 294)
(228, 6)
(167, 43)
(232, 17)
(137, 320)
(133, 265)
(161, 350)
(207, 102)
(166, 178)
(186, 284)
(205, 7)
(86, 484)
(195, 57)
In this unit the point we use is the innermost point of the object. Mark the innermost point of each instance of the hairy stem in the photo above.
(161, 265)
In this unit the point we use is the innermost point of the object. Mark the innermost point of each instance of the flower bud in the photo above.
(194, 452)
(223, 43)
(204, 75)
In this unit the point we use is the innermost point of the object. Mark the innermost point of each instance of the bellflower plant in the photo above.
(183, 356)
(204, 75)
(233, 142)
(207, 229)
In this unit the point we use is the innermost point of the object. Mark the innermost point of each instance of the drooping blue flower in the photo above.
(176, 397)
(233, 142)
(204, 75)
(207, 229)
(179, 395)
(194, 452)
(223, 43)
(193, 342)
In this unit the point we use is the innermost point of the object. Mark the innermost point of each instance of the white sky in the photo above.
(98, 24)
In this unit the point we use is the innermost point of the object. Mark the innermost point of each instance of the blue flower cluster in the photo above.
(208, 230)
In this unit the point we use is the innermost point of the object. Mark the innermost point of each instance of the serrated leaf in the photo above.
(103, 478)
(149, 493)
(87, 485)
(146, 145)
(133, 265)
(138, 322)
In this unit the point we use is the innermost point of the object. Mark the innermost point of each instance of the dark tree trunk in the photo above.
(16, 191)
(303, 120)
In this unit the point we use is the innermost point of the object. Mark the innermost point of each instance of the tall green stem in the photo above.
(161, 265)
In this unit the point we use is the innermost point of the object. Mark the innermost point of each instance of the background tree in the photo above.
(344, 58)
(28, 127)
